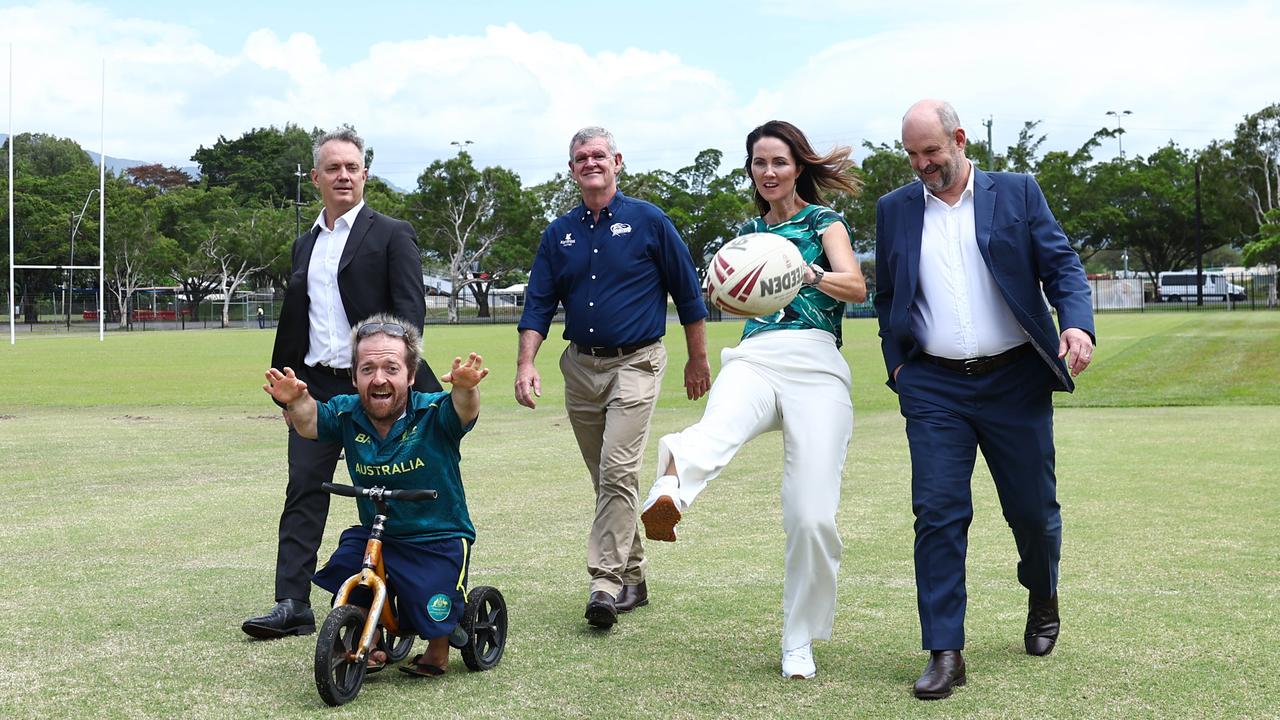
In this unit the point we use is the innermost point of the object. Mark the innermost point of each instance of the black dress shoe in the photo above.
(1042, 624)
(602, 612)
(632, 597)
(288, 617)
(944, 673)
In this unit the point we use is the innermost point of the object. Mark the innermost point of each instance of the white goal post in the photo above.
(102, 214)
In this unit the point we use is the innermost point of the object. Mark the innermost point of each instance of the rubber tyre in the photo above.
(485, 620)
(338, 679)
(397, 647)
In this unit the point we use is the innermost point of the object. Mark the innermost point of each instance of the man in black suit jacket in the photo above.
(351, 264)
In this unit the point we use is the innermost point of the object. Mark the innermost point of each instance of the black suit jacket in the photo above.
(380, 271)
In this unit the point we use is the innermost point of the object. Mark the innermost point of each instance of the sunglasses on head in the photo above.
(392, 329)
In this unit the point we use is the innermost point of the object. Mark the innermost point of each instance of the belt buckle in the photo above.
(600, 351)
(976, 366)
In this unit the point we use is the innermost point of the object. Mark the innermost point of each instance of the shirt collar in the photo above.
(349, 217)
(608, 211)
(968, 189)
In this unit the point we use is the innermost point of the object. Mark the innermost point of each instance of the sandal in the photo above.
(417, 668)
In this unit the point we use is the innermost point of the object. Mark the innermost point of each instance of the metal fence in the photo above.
(150, 310)
(57, 312)
(1224, 292)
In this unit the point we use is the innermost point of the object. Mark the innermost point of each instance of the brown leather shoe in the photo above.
(944, 673)
(1042, 624)
(601, 610)
(660, 519)
(632, 597)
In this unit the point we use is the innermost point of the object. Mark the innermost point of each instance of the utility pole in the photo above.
(1199, 242)
(991, 150)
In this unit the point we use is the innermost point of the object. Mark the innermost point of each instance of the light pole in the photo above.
(1120, 130)
(71, 272)
(461, 145)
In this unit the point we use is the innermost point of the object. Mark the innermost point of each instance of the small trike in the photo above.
(352, 631)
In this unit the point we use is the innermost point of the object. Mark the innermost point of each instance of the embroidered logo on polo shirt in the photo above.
(620, 229)
(438, 607)
(568, 240)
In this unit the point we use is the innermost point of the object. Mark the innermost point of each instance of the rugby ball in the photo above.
(755, 274)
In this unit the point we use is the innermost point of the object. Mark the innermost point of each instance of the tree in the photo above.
(260, 167)
(1083, 197)
(1157, 198)
(467, 217)
(883, 170)
(54, 179)
(1257, 150)
(192, 218)
(250, 240)
(158, 176)
(1266, 249)
(134, 246)
(557, 196)
(706, 208)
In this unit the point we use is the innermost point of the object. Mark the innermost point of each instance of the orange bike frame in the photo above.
(373, 576)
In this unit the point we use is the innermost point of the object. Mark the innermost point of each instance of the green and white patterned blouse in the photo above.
(812, 308)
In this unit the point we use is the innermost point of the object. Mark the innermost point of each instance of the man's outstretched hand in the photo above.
(466, 374)
(284, 387)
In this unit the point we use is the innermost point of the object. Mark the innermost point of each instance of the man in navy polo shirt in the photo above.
(399, 438)
(611, 262)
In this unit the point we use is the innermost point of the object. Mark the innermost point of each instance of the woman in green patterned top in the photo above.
(785, 374)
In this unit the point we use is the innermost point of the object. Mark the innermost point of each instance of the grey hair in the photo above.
(342, 134)
(948, 117)
(412, 340)
(591, 133)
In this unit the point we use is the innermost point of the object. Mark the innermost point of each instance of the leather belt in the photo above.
(605, 351)
(981, 365)
(338, 372)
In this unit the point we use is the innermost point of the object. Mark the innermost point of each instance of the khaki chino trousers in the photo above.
(610, 402)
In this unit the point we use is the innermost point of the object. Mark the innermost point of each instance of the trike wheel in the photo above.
(485, 620)
(338, 674)
(397, 647)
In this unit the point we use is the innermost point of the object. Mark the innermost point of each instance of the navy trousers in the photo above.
(1008, 414)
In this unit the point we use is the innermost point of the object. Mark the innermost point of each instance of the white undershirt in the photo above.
(958, 311)
(329, 332)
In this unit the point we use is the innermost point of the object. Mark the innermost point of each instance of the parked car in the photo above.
(1181, 285)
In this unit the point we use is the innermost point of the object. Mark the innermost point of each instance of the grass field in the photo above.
(143, 478)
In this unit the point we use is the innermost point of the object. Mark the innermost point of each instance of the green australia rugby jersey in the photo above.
(812, 308)
(420, 452)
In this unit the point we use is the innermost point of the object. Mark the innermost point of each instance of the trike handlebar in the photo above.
(379, 493)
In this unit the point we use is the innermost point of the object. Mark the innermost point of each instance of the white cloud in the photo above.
(1187, 72)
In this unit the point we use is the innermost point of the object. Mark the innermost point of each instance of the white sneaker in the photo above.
(798, 664)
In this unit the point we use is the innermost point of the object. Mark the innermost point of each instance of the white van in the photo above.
(1181, 285)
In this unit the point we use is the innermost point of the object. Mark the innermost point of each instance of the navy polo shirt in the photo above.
(420, 452)
(612, 275)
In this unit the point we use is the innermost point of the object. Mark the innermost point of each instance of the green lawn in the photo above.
(143, 478)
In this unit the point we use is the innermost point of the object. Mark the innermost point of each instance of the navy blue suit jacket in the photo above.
(1021, 243)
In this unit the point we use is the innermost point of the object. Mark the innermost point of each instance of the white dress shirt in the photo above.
(329, 332)
(958, 311)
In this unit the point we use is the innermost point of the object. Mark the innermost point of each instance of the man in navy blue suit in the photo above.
(964, 263)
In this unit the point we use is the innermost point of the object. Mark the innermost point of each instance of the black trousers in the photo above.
(306, 505)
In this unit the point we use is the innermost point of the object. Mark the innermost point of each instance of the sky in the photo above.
(155, 80)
